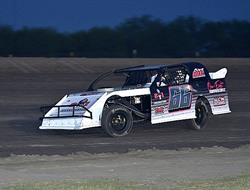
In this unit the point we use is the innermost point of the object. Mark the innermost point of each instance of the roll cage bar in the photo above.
(135, 75)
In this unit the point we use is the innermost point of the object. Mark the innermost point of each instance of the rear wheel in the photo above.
(117, 121)
(202, 115)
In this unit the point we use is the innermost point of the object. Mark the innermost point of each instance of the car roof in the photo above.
(188, 65)
(141, 68)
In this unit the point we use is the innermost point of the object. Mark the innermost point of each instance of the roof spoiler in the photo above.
(219, 74)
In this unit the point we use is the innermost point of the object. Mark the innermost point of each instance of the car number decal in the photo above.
(180, 97)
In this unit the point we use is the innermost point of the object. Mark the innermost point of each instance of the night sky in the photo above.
(73, 15)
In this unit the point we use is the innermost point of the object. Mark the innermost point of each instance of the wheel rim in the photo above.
(119, 121)
(200, 115)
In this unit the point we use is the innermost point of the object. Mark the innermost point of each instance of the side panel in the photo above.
(214, 90)
(218, 96)
(172, 103)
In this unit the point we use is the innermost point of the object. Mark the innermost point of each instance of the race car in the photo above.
(155, 93)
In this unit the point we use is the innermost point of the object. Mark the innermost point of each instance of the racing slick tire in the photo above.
(202, 115)
(117, 121)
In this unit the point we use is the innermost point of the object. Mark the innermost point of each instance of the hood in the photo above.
(86, 99)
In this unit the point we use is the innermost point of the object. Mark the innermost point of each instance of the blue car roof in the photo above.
(189, 65)
(141, 68)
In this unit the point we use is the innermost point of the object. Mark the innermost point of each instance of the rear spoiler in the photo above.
(45, 109)
(219, 74)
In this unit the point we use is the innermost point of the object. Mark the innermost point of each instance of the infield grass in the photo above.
(233, 183)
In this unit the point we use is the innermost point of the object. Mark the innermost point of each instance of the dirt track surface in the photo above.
(26, 84)
(166, 168)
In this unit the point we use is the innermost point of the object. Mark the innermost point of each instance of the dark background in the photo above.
(75, 15)
(119, 28)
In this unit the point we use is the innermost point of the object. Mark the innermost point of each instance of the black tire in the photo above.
(202, 115)
(117, 121)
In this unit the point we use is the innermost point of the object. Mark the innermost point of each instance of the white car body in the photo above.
(85, 110)
(97, 100)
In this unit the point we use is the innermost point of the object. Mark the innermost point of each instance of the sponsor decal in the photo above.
(217, 90)
(85, 102)
(218, 86)
(198, 73)
(159, 110)
(219, 101)
(158, 96)
(160, 102)
(71, 109)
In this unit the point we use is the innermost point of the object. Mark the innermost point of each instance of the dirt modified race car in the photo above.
(157, 93)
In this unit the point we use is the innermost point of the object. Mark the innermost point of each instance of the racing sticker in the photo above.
(198, 73)
(158, 96)
(217, 87)
(219, 101)
(159, 110)
(85, 102)
(71, 109)
(180, 97)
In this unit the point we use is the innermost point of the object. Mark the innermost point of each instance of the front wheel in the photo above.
(117, 121)
(202, 115)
